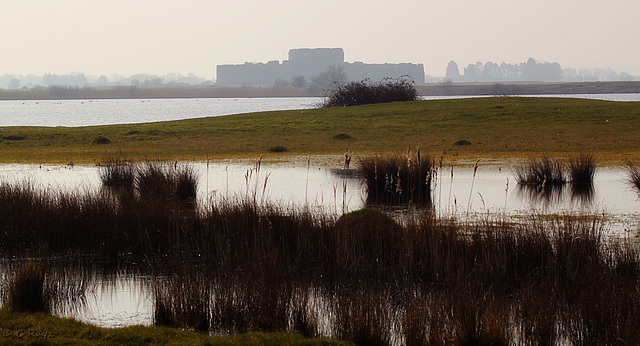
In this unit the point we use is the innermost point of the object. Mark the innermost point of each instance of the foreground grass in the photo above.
(494, 127)
(40, 328)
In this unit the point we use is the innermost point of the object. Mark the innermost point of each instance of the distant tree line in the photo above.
(79, 80)
(530, 71)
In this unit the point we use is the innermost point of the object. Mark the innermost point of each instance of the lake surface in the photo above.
(127, 111)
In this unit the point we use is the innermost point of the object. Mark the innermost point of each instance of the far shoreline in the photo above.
(258, 91)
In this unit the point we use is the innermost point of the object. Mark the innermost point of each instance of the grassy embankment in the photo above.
(496, 127)
(40, 328)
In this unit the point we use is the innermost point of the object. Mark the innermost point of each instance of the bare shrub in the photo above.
(368, 92)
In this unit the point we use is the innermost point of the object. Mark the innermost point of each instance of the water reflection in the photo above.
(127, 298)
(336, 190)
(546, 196)
(583, 194)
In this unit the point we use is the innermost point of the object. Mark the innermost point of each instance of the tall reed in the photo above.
(183, 299)
(397, 180)
(362, 277)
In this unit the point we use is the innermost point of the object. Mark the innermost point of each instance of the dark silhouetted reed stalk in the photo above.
(582, 171)
(440, 187)
(306, 184)
(450, 188)
(207, 185)
(347, 159)
(473, 180)
(506, 195)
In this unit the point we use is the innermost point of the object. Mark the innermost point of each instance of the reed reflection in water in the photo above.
(243, 265)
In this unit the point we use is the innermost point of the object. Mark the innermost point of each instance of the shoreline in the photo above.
(258, 91)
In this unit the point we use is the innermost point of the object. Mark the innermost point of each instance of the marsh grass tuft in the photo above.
(117, 172)
(278, 149)
(543, 172)
(633, 171)
(342, 136)
(14, 138)
(236, 265)
(396, 179)
(582, 169)
(462, 142)
(101, 140)
(25, 290)
(158, 179)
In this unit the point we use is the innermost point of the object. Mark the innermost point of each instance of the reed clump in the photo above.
(183, 300)
(633, 171)
(26, 289)
(367, 92)
(365, 233)
(542, 172)
(117, 172)
(582, 169)
(236, 264)
(397, 179)
(151, 179)
(159, 179)
(546, 171)
(545, 178)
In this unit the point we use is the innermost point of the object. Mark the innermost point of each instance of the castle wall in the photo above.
(309, 63)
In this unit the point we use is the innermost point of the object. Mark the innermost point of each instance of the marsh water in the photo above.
(320, 184)
(323, 185)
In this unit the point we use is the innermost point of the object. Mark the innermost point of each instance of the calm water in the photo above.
(121, 111)
(322, 187)
(128, 111)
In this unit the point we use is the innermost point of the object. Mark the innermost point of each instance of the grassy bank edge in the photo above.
(491, 129)
(22, 328)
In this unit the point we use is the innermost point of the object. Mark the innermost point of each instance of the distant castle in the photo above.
(309, 63)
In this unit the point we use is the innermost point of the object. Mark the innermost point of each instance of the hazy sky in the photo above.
(193, 36)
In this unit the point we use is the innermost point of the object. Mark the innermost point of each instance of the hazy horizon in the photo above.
(161, 37)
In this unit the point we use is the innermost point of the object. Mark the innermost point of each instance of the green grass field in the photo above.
(495, 127)
(44, 329)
